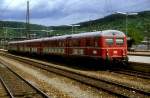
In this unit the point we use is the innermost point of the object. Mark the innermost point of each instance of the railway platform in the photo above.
(140, 53)
(139, 63)
(139, 59)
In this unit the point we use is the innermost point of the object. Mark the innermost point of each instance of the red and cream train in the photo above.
(102, 45)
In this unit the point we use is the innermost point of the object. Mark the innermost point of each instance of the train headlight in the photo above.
(94, 52)
(115, 52)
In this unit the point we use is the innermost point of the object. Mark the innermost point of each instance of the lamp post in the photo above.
(73, 27)
(127, 14)
(5, 38)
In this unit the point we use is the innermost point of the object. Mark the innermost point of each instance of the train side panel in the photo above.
(103, 45)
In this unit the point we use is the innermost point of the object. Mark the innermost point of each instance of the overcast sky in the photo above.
(62, 12)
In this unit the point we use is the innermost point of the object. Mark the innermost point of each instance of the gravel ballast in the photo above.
(55, 85)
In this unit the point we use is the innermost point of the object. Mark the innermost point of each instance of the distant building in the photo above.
(145, 44)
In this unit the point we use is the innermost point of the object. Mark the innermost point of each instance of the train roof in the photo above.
(87, 34)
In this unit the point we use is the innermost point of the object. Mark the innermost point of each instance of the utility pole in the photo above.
(28, 21)
(74, 28)
(4, 40)
(5, 37)
(126, 15)
(148, 43)
(90, 25)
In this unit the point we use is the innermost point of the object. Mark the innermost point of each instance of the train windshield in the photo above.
(119, 41)
(109, 41)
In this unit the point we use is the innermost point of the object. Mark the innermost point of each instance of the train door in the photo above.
(41, 46)
(67, 50)
(38, 46)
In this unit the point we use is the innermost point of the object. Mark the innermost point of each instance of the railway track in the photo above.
(4, 92)
(112, 87)
(132, 73)
(14, 86)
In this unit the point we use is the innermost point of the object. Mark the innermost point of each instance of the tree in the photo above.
(135, 33)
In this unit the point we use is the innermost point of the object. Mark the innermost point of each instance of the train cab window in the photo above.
(119, 41)
(109, 41)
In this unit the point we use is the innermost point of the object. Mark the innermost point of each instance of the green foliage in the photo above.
(16, 33)
(135, 34)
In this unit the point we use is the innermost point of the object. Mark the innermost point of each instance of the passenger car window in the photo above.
(76, 42)
(119, 41)
(109, 41)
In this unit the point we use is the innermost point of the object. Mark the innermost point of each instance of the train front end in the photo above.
(114, 47)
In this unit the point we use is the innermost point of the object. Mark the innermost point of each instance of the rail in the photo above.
(13, 93)
(120, 89)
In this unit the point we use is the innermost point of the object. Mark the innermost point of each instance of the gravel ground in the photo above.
(3, 92)
(130, 81)
(55, 85)
(127, 80)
